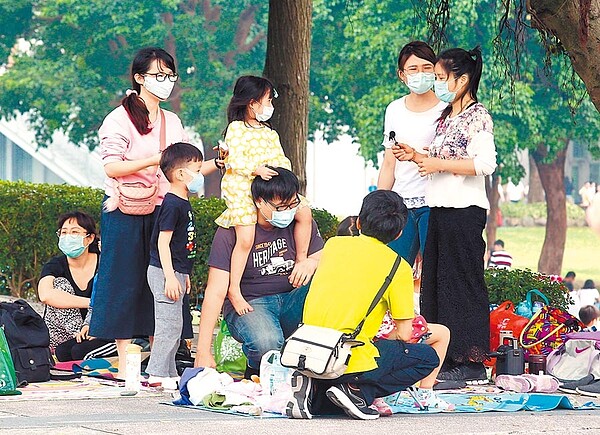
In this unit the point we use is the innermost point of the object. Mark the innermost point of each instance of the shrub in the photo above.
(28, 215)
(514, 284)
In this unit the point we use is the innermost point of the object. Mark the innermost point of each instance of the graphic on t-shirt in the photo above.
(269, 258)
(277, 266)
(190, 246)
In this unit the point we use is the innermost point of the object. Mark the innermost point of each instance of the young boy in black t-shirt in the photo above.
(172, 250)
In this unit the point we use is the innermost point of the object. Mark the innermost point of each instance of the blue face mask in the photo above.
(282, 219)
(71, 245)
(196, 183)
(420, 83)
(442, 92)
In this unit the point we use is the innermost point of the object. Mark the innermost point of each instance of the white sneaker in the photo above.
(165, 383)
(429, 400)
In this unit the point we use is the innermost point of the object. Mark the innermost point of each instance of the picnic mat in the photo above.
(253, 413)
(403, 403)
(84, 388)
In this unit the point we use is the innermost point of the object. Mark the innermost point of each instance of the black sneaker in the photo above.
(350, 399)
(471, 373)
(571, 386)
(592, 389)
(298, 407)
(449, 385)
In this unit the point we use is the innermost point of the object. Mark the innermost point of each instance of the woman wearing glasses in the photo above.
(66, 286)
(130, 145)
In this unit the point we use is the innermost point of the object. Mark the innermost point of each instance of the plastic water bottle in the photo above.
(133, 366)
(273, 376)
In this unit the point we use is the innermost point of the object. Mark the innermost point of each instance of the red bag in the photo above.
(504, 318)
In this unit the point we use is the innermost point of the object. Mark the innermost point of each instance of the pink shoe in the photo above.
(542, 383)
(382, 407)
(519, 384)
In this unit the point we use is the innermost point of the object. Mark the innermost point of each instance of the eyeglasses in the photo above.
(412, 70)
(161, 77)
(73, 232)
(282, 207)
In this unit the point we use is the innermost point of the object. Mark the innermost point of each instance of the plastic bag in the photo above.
(228, 352)
(8, 377)
(274, 377)
(504, 318)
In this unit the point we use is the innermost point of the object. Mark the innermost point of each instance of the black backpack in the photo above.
(28, 339)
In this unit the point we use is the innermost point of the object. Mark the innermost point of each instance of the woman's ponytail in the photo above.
(137, 111)
(477, 58)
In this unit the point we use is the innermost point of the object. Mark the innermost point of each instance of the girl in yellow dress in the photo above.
(252, 145)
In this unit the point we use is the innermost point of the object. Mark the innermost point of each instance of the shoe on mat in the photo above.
(164, 382)
(298, 407)
(542, 383)
(519, 384)
(592, 389)
(351, 400)
(382, 407)
(472, 373)
(449, 385)
(428, 400)
(571, 386)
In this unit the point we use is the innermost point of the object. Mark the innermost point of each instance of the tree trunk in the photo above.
(552, 176)
(287, 65)
(578, 30)
(536, 190)
(491, 189)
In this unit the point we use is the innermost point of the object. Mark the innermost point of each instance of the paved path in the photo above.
(131, 415)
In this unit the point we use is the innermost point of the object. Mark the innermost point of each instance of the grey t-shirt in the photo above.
(270, 262)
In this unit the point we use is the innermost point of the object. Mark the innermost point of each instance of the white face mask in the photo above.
(266, 114)
(161, 90)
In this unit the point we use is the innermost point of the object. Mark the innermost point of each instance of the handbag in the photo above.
(324, 353)
(527, 308)
(137, 198)
(547, 330)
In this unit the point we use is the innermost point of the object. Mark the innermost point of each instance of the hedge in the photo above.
(28, 215)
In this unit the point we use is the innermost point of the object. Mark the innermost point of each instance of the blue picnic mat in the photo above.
(402, 403)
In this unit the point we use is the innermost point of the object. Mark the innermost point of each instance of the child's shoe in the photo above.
(382, 407)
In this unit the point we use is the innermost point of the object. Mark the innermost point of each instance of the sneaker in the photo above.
(571, 386)
(298, 407)
(471, 373)
(449, 385)
(592, 389)
(382, 407)
(428, 400)
(165, 383)
(519, 384)
(542, 383)
(350, 399)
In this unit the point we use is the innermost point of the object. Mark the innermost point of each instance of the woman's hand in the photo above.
(265, 173)
(83, 334)
(430, 165)
(403, 152)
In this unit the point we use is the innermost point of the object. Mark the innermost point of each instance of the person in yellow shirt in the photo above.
(350, 273)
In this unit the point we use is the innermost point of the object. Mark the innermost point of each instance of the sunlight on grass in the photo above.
(581, 252)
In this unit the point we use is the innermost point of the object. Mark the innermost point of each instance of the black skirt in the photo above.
(453, 290)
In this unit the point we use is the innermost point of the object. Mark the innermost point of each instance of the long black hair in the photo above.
(247, 89)
(459, 62)
(86, 222)
(133, 104)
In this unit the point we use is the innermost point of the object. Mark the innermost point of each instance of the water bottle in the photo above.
(273, 376)
(133, 366)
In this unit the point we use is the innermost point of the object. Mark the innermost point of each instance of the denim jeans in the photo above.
(413, 237)
(274, 318)
(399, 366)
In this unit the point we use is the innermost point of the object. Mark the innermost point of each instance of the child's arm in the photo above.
(302, 232)
(243, 245)
(172, 286)
(214, 296)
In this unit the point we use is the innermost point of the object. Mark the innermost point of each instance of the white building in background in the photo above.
(337, 177)
(61, 162)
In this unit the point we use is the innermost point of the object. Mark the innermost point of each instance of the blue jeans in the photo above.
(274, 318)
(399, 366)
(414, 235)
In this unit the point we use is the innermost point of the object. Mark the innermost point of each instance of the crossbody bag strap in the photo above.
(386, 283)
(163, 135)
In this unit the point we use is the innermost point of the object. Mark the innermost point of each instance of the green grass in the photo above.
(581, 251)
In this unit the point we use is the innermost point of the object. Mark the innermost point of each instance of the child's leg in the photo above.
(244, 235)
(439, 340)
(302, 232)
(168, 319)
